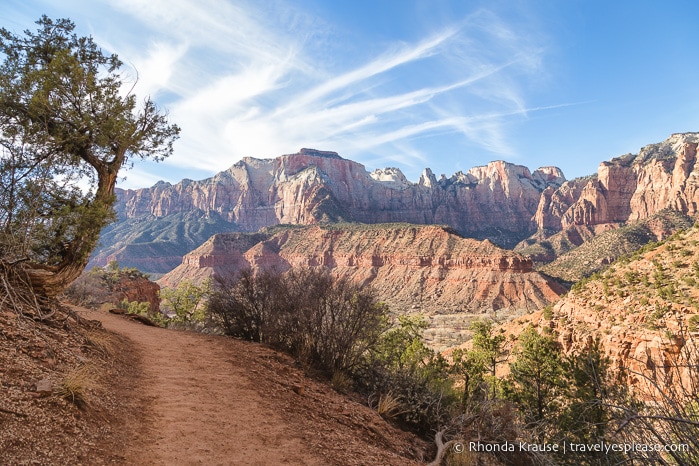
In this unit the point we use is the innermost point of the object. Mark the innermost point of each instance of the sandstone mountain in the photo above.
(413, 267)
(626, 189)
(502, 202)
(155, 229)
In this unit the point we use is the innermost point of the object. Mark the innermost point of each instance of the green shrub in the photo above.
(548, 312)
(694, 323)
(143, 309)
(402, 368)
(186, 302)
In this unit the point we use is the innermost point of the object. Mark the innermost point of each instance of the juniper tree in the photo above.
(66, 130)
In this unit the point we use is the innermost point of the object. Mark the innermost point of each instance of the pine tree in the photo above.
(538, 382)
(490, 348)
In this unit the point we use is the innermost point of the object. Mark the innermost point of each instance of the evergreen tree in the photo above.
(66, 130)
(586, 415)
(490, 348)
(470, 367)
(538, 382)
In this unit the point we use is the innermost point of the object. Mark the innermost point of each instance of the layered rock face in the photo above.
(313, 186)
(643, 312)
(430, 268)
(628, 188)
(503, 202)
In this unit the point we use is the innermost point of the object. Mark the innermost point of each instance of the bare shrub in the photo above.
(90, 289)
(327, 323)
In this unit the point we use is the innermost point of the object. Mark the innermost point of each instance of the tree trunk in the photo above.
(51, 280)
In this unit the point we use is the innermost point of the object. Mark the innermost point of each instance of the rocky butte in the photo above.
(430, 268)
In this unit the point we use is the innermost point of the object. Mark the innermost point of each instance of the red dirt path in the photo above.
(217, 401)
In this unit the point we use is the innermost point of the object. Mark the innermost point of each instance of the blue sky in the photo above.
(412, 84)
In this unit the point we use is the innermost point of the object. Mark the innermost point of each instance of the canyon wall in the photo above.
(314, 186)
(628, 188)
(413, 267)
(503, 202)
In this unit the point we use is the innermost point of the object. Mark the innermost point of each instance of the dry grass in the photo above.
(389, 405)
(101, 341)
(341, 382)
(77, 384)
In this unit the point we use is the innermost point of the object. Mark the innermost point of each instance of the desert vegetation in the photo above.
(502, 389)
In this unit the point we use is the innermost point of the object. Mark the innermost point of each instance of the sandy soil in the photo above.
(202, 399)
(201, 408)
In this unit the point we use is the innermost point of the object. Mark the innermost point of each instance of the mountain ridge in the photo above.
(495, 201)
(500, 201)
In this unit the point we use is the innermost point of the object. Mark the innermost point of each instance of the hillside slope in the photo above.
(644, 309)
(594, 252)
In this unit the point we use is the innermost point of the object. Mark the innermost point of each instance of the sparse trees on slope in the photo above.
(66, 130)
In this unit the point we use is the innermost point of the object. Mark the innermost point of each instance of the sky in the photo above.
(411, 84)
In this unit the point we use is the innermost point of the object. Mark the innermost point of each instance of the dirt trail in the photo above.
(200, 405)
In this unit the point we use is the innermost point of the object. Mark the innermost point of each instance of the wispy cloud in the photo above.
(243, 82)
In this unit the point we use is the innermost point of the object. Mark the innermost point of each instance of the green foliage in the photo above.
(186, 301)
(587, 415)
(404, 367)
(693, 323)
(633, 278)
(402, 346)
(143, 309)
(135, 307)
(470, 367)
(538, 382)
(491, 349)
(66, 130)
(548, 312)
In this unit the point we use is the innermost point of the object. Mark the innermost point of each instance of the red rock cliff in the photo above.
(628, 188)
(312, 186)
(413, 267)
